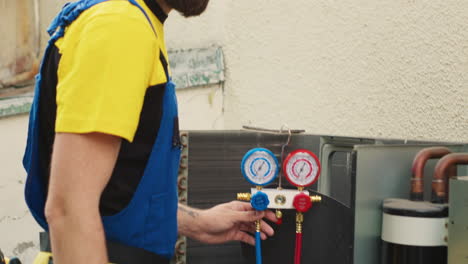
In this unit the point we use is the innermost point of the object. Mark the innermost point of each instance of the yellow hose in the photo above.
(42, 258)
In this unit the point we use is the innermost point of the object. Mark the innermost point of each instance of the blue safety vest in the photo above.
(150, 219)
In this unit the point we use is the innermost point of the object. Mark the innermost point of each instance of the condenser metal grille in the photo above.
(214, 177)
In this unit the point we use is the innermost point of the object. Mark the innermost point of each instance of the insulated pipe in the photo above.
(417, 180)
(442, 172)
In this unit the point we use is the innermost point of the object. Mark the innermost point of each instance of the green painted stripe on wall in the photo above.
(197, 67)
(15, 105)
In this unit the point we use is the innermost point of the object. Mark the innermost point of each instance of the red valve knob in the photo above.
(302, 202)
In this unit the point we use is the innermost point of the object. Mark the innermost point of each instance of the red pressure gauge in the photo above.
(302, 168)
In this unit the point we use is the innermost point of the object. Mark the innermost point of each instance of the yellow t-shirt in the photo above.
(110, 56)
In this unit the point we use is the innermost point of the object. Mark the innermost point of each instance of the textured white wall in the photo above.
(392, 69)
(19, 232)
(388, 69)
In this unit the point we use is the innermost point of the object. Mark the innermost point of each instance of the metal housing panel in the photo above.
(337, 180)
(458, 221)
(382, 171)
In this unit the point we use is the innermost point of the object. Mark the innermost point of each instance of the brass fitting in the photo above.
(298, 228)
(299, 218)
(316, 198)
(299, 221)
(279, 214)
(257, 226)
(244, 197)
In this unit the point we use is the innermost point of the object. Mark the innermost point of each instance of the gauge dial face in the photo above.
(301, 167)
(259, 166)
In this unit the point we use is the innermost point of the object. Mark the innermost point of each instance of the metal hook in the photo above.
(289, 134)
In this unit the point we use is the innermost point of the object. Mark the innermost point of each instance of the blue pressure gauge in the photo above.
(259, 166)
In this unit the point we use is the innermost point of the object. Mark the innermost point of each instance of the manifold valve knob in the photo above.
(302, 202)
(260, 201)
(244, 197)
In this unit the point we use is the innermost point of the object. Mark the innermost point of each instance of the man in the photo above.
(103, 143)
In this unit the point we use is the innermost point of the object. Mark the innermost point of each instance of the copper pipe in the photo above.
(182, 183)
(417, 179)
(443, 171)
(182, 162)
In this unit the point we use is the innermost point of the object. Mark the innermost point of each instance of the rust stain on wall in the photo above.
(19, 62)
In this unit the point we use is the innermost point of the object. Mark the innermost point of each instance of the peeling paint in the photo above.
(22, 247)
(13, 218)
(197, 67)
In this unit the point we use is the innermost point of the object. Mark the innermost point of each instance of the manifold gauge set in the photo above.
(260, 167)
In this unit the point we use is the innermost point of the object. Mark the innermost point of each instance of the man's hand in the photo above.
(225, 222)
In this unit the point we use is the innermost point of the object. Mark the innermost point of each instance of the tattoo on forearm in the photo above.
(188, 211)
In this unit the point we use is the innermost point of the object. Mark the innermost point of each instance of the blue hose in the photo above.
(258, 247)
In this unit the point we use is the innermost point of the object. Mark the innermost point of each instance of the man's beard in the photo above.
(189, 8)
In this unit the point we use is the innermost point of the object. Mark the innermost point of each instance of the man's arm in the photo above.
(223, 223)
(81, 167)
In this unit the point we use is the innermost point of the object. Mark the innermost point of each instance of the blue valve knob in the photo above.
(259, 201)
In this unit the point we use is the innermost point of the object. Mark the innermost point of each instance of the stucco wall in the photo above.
(19, 233)
(391, 69)
(396, 69)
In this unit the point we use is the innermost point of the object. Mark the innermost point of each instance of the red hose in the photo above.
(298, 251)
